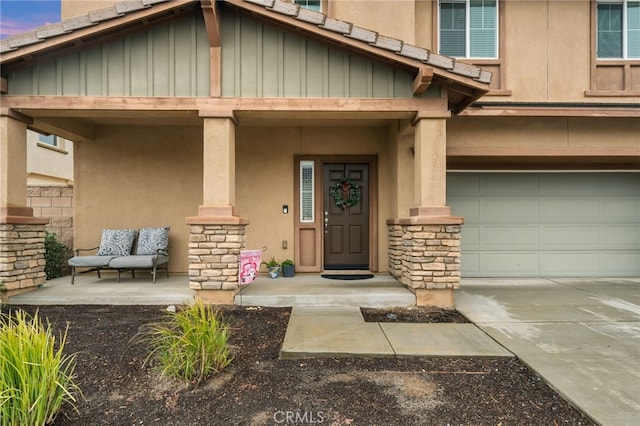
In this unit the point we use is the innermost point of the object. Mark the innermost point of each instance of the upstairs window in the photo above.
(309, 4)
(618, 29)
(48, 139)
(468, 28)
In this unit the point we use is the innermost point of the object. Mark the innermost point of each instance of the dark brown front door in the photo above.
(346, 216)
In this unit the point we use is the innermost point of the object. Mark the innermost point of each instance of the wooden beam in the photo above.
(423, 80)
(82, 105)
(69, 129)
(211, 21)
(4, 86)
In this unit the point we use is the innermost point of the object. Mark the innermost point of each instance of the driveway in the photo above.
(581, 335)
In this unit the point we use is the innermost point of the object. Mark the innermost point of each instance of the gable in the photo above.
(261, 60)
(170, 59)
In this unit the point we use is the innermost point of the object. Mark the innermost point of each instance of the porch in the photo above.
(302, 290)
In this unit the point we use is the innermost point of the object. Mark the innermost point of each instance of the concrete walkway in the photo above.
(342, 331)
(582, 336)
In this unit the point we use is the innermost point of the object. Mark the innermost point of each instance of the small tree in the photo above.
(56, 256)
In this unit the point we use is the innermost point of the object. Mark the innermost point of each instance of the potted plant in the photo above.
(273, 267)
(288, 268)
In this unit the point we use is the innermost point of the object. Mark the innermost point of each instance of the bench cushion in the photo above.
(90, 261)
(117, 242)
(150, 240)
(133, 262)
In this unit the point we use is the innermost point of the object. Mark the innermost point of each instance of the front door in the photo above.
(346, 216)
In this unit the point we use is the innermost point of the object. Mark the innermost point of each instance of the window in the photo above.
(618, 29)
(309, 4)
(306, 191)
(468, 28)
(48, 139)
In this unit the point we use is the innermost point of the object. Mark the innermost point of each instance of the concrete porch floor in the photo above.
(302, 290)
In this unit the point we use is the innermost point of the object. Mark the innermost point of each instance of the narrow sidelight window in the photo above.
(306, 191)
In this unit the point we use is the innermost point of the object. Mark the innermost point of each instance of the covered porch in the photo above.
(302, 290)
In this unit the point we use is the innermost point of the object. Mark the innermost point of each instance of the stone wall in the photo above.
(22, 259)
(56, 204)
(214, 255)
(425, 256)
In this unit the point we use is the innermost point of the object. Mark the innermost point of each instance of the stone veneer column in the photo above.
(214, 255)
(22, 251)
(426, 258)
(424, 248)
(216, 235)
(22, 256)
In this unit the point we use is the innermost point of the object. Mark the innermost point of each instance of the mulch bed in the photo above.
(260, 389)
(413, 314)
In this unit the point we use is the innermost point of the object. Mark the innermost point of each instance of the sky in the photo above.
(19, 16)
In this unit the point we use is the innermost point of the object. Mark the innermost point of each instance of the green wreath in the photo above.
(345, 193)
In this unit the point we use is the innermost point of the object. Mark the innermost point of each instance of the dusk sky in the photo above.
(19, 16)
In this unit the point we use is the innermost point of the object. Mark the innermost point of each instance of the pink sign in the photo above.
(249, 266)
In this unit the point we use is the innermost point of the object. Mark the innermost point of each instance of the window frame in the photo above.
(301, 194)
(467, 30)
(624, 30)
(625, 69)
(496, 65)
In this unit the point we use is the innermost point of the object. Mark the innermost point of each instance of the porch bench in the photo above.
(126, 250)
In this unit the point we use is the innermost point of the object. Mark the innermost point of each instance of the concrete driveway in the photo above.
(582, 336)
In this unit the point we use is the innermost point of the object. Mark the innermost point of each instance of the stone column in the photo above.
(216, 235)
(424, 248)
(22, 251)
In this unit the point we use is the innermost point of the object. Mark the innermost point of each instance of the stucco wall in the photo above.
(132, 177)
(547, 136)
(264, 175)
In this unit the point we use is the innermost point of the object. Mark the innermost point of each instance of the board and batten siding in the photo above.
(264, 61)
(167, 60)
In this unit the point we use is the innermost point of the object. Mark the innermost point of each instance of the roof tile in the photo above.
(414, 52)
(23, 39)
(485, 76)
(51, 30)
(77, 23)
(123, 7)
(103, 14)
(4, 46)
(363, 34)
(440, 61)
(388, 43)
(466, 69)
(311, 16)
(285, 8)
(336, 25)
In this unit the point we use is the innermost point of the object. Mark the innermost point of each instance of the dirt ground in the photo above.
(260, 389)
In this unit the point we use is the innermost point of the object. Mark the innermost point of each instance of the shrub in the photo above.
(189, 344)
(56, 256)
(36, 378)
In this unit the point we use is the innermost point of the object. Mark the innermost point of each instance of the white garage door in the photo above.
(547, 224)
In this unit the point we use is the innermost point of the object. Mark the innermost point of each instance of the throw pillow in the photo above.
(150, 240)
(117, 242)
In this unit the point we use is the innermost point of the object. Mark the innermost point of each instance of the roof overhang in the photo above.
(464, 83)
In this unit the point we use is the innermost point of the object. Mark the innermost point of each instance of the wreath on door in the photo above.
(345, 193)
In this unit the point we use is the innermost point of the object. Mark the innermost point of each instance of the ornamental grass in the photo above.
(36, 377)
(189, 345)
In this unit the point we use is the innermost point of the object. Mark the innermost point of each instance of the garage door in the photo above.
(547, 224)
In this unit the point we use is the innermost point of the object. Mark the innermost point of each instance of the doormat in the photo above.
(347, 276)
